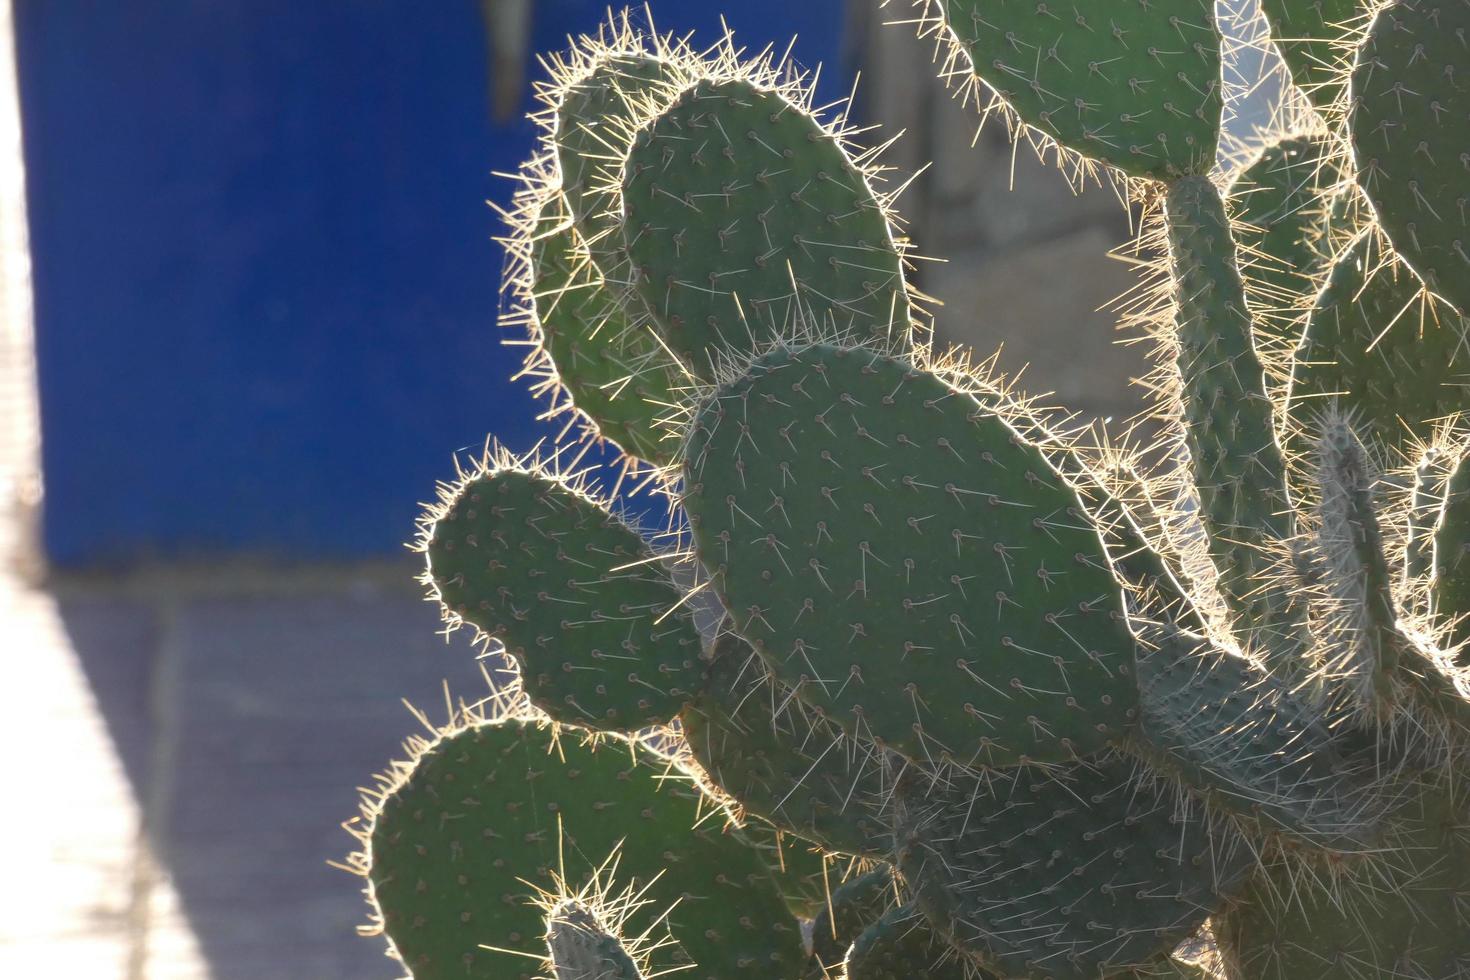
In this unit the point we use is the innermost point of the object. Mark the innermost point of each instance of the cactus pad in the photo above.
(904, 559)
(574, 594)
(1315, 39)
(853, 907)
(1135, 84)
(781, 760)
(616, 373)
(1068, 872)
(1404, 916)
(1279, 207)
(799, 869)
(581, 948)
(1398, 363)
(743, 216)
(1410, 124)
(595, 113)
(1228, 421)
(1450, 584)
(902, 946)
(1246, 745)
(489, 814)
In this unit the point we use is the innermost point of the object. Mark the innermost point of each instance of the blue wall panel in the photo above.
(266, 284)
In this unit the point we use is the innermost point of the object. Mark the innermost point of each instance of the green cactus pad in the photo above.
(488, 813)
(616, 373)
(1246, 745)
(903, 946)
(800, 870)
(906, 561)
(1279, 205)
(1404, 914)
(1315, 39)
(854, 906)
(574, 594)
(581, 948)
(1450, 584)
(1425, 506)
(595, 114)
(1067, 872)
(1228, 420)
(1410, 126)
(781, 760)
(743, 216)
(1135, 84)
(1398, 365)
(1362, 645)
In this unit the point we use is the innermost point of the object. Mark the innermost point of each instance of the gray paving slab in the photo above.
(284, 706)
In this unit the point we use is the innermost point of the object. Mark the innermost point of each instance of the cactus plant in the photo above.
(983, 695)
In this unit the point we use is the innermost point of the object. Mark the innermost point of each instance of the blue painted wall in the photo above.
(266, 286)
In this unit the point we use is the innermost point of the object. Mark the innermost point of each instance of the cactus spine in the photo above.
(984, 696)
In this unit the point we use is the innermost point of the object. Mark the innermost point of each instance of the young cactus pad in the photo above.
(492, 815)
(576, 596)
(905, 560)
(854, 906)
(582, 948)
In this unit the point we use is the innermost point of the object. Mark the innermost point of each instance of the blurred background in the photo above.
(249, 286)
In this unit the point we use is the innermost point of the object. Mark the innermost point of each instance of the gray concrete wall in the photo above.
(1026, 263)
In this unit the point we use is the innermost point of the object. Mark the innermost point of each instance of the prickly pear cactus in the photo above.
(922, 680)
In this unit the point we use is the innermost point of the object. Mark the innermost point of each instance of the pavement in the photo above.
(183, 747)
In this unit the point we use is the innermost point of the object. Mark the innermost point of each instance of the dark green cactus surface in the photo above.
(486, 816)
(905, 560)
(1315, 40)
(1116, 872)
(575, 595)
(803, 872)
(1410, 125)
(1248, 745)
(1375, 347)
(781, 760)
(1407, 916)
(1450, 585)
(902, 946)
(743, 217)
(1134, 83)
(856, 905)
